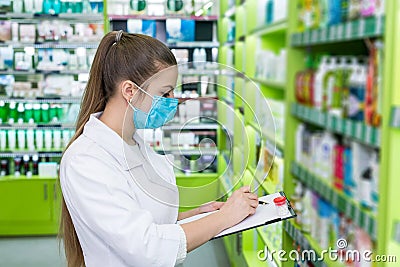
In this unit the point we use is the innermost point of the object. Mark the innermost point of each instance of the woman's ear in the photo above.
(128, 89)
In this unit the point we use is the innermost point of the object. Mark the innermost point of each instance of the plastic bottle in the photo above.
(334, 12)
(368, 7)
(339, 87)
(196, 55)
(326, 156)
(344, 10)
(354, 9)
(324, 13)
(308, 81)
(329, 81)
(269, 12)
(357, 94)
(319, 83)
(324, 212)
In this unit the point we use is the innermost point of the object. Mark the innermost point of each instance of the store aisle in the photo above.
(44, 252)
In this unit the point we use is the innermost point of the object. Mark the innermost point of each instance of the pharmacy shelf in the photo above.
(79, 17)
(189, 152)
(358, 131)
(343, 32)
(196, 175)
(395, 119)
(269, 243)
(278, 27)
(44, 72)
(47, 126)
(306, 242)
(50, 100)
(14, 154)
(54, 45)
(195, 44)
(192, 126)
(170, 16)
(271, 84)
(362, 217)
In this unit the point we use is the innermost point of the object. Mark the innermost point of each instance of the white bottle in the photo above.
(21, 139)
(319, 83)
(196, 58)
(203, 56)
(326, 152)
(330, 82)
(39, 139)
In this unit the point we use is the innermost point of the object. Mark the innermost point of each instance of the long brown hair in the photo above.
(133, 57)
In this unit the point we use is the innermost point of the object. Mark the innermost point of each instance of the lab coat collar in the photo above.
(110, 141)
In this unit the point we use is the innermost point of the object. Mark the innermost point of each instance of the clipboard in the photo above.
(265, 214)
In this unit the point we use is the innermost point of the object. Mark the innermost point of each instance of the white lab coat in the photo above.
(122, 199)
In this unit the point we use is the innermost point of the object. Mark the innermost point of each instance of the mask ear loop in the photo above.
(130, 100)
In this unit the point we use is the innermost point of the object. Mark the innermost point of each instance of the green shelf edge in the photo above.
(343, 203)
(346, 31)
(395, 118)
(271, 84)
(273, 28)
(358, 131)
(268, 244)
(308, 243)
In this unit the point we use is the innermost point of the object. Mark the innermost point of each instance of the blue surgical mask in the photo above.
(162, 110)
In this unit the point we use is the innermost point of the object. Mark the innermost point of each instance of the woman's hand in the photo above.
(239, 205)
(210, 206)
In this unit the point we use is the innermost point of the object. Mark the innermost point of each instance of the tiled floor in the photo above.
(45, 252)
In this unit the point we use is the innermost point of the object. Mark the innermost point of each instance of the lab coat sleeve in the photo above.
(98, 195)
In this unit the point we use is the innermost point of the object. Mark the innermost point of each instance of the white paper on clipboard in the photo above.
(265, 214)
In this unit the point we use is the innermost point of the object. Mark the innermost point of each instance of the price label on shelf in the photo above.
(379, 25)
(314, 36)
(359, 130)
(332, 33)
(368, 135)
(306, 37)
(334, 198)
(377, 136)
(323, 34)
(357, 216)
(361, 27)
(348, 209)
(340, 30)
(367, 223)
(349, 128)
(329, 123)
(348, 30)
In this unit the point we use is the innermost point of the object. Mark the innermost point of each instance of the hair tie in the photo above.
(118, 36)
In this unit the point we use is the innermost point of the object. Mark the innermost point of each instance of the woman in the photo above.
(120, 201)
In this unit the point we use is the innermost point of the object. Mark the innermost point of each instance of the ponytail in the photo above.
(133, 57)
(94, 100)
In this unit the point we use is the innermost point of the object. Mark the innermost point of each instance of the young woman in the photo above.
(120, 200)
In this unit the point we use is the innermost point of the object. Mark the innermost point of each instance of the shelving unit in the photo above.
(33, 203)
(346, 38)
